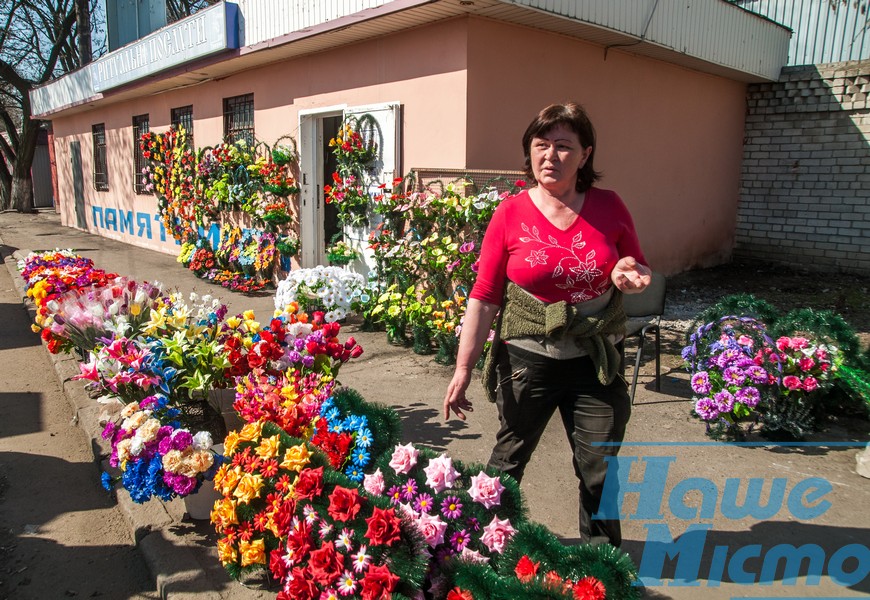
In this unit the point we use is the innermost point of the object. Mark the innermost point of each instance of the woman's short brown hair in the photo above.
(575, 118)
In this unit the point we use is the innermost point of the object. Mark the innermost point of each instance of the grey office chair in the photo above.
(644, 312)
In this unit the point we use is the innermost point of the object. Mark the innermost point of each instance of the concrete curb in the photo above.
(181, 571)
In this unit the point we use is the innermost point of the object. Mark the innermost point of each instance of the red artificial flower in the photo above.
(277, 565)
(378, 583)
(526, 569)
(520, 183)
(383, 527)
(324, 564)
(299, 541)
(589, 588)
(458, 593)
(344, 504)
(309, 484)
(300, 586)
(553, 580)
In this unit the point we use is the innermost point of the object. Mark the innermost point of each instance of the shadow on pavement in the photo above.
(425, 426)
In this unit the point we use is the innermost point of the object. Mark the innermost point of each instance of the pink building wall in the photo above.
(669, 138)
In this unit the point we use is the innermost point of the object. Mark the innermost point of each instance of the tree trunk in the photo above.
(22, 183)
(83, 32)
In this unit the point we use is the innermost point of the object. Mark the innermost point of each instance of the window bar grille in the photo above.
(141, 125)
(183, 117)
(101, 168)
(239, 119)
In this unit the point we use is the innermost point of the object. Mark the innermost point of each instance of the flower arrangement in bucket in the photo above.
(336, 291)
(157, 456)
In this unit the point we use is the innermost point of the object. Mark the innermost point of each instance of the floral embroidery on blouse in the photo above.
(578, 270)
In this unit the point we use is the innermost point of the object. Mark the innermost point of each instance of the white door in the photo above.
(381, 122)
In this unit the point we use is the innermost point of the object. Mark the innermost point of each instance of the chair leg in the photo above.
(658, 360)
(636, 367)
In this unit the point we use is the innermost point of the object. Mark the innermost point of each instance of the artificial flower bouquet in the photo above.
(157, 457)
(738, 371)
(349, 195)
(351, 149)
(118, 308)
(340, 253)
(336, 291)
(727, 381)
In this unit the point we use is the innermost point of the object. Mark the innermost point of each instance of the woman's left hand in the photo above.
(629, 276)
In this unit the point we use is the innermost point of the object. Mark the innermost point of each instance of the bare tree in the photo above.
(39, 41)
(178, 9)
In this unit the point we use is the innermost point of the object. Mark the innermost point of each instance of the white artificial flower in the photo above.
(202, 440)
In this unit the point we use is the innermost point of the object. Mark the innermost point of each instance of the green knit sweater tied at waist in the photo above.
(523, 315)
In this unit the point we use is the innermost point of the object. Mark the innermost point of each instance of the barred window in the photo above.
(183, 117)
(101, 164)
(141, 124)
(239, 118)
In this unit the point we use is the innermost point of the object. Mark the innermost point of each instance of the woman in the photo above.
(554, 263)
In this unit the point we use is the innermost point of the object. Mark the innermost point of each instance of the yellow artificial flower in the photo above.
(251, 431)
(230, 480)
(253, 553)
(249, 487)
(296, 458)
(268, 447)
(227, 552)
(248, 315)
(231, 442)
(233, 322)
(223, 514)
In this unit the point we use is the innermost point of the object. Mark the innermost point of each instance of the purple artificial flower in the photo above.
(757, 374)
(706, 409)
(109, 430)
(459, 540)
(473, 524)
(724, 401)
(394, 494)
(181, 439)
(451, 507)
(294, 356)
(748, 396)
(734, 376)
(701, 383)
(687, 352)
(423, 503)
(466, 247)
(409, 490)
(299, 344)
(308, 361)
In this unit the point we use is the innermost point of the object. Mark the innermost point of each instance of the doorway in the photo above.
(318, 221)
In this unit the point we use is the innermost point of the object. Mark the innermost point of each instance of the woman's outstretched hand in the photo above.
(629, 276)
(455, 399)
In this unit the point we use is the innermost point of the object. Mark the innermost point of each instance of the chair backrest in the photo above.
(650, 302)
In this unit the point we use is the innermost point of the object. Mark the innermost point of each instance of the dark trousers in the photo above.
(531, 388)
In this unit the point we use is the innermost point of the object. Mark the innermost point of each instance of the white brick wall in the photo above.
(805, 192)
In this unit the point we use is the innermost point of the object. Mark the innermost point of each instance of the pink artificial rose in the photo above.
(497, 534)
(432, 528)
(783, 344)
(806, 363)
(821, 354)
(791, 382)
(374, 483)
(798, 343)
(810, 384)
(404, 458)
(486, 490)
(745, 340)
(440, 474)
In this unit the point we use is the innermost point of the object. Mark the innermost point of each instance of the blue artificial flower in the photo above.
(106, 480)
(354, 473)
(333, 414)
(364, 438)
(361, 457)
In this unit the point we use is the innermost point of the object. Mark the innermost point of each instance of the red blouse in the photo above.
(553, 265)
